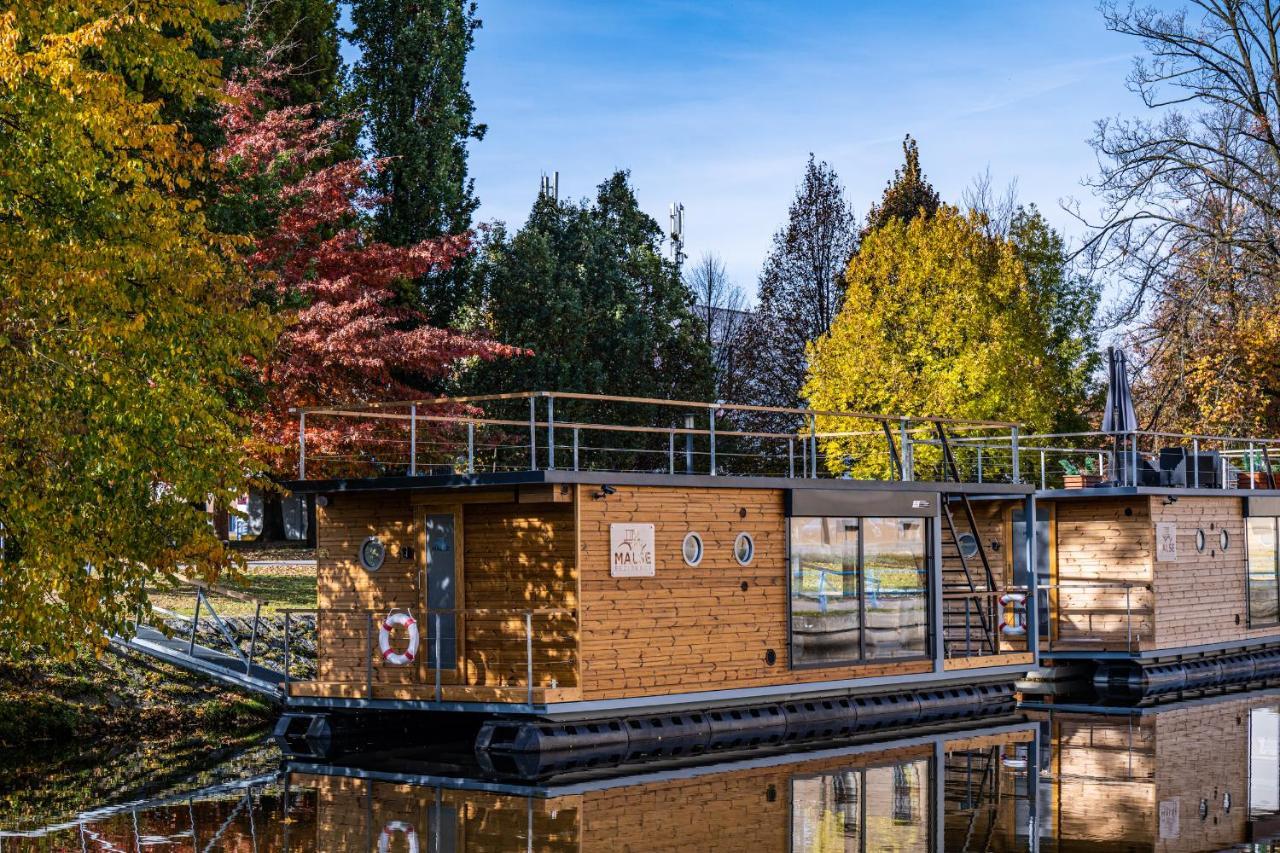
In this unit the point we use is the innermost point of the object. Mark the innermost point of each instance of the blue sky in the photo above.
(717, 104)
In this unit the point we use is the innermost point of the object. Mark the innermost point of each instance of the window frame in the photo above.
(1250, 621)
(927, 526)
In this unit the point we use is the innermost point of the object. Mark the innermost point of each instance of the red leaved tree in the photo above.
(349, 340)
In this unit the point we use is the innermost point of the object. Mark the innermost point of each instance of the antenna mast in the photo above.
(676, 232)
(550, 186)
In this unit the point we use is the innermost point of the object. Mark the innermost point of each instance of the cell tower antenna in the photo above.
(550, 186)
(677, 233)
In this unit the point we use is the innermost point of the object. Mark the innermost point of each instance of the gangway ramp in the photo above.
(231, 665)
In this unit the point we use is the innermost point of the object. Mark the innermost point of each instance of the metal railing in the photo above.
(1084, 459)
(592, 432)
(202, 598)
(978, 618)
(1138, 601)
(444, 636)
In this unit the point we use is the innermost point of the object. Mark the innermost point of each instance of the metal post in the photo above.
(1013, 446)
(413, 439)
(1032, 604)
(671, 451)
(711, 437)
(908, 455)
(575, 448)
(368, 655)
(253, 638)
(302, 445)
(813, 444)
(437, 647)
(287, 614)
(979, 463)
(528, 652)
(195, 621)
(688, 444)
(1251, 465)
(1195, 462)
(791, 457)
(471, 447)
(533, 436)
(551, 433)
(1043, 473)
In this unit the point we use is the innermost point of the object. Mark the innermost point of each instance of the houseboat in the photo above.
(653, 575)
(1157, 561)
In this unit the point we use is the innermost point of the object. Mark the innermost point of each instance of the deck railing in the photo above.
(1140, 458)
(591, 432)
(520, 650)
(1104, 615)
(205, 613)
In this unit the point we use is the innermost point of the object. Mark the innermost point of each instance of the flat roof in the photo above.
(614, 478)
(1153, 491)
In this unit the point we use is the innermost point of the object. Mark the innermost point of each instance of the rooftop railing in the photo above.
(1139, 458)
(535, 430)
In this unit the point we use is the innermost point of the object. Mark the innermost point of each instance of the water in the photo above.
(1201, 775)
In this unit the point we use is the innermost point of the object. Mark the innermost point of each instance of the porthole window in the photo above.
(692, 549)
(744, 549)
(1224, 539)
(372, 554)
(1200, 540)
(968, 545)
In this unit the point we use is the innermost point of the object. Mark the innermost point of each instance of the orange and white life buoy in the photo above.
(398, 619)
(394, 827)
(1015, 603)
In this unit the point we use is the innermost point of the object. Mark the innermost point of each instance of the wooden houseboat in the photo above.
(1157, 561)
(677, 570)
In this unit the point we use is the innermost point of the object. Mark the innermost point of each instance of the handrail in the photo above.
(1127, 586)
(654, 401)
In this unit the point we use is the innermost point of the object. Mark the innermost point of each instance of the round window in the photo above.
(372, 554)
(744, 549)
(968, 545)
(692, 549)
(1199, 540)
(1224, 539)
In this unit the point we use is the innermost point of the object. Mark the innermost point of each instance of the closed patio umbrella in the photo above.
(1119, 417)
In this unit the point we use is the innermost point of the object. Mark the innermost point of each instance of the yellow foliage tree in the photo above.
(124, 331)
(938, 319)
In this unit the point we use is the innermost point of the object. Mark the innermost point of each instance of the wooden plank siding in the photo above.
(1102, 543)
(1202, 597)
(516, 557)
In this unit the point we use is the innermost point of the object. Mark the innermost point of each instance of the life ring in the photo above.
(396, 826)
(1016, 603)
(398, 619)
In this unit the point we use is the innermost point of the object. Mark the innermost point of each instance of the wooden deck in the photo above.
(427, 693)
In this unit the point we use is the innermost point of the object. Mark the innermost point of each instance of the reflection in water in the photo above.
(1197, 776)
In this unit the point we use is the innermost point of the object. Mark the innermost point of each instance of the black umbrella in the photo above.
(1119, 417)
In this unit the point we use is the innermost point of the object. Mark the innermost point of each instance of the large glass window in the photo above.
(1264, 571)
(859, 589)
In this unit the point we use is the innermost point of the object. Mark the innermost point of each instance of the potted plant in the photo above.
(1080, 476)
(1260, 478)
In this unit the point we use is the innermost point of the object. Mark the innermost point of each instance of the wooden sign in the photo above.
(631, 550)
(1166, 542)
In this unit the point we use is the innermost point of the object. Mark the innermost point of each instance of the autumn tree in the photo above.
(801, 287)
(349, 338)
(1190, 208)
(585, 286)
(908, 195)
(410, 83)
(939, 319)
(125, 327)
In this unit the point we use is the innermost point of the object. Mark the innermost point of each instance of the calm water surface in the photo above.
(1202, 775)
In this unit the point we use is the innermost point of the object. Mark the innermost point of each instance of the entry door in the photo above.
(443, 598)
